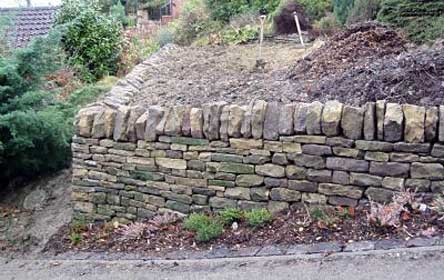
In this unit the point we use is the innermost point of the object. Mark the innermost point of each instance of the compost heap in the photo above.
(368, 62)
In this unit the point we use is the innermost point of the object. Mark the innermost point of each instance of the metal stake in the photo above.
(298, 26)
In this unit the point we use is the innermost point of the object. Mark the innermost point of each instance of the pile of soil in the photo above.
(288, 228)
(353, 46)
(369, 62)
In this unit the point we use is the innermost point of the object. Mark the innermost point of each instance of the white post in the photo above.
(298, 26)
(261, 38)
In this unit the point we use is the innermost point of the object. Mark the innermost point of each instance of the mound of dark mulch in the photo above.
(369, 62)
(348, 48)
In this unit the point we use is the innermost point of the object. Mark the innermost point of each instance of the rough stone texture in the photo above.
(380, 113)
(431, 124)
(331, 118)
(432, 171)
(271, 122)
(271, 170)
(286, 126)
(235, 119)
(352, 122)
(133, 162)
(393, 122)
(370, 123)
(300, 118)
(258, 118)
(313, 120)
(414, 123)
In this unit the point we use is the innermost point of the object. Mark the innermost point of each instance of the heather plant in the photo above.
(231, 215)
(205, 227)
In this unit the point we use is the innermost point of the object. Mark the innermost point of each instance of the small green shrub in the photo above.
(206, 228)
(258, 217)
(117, 12)
(231, 215)
(165, 36)
(316, 9)
(364, 10)
(236, 36)
(196, 221)
(75, 238)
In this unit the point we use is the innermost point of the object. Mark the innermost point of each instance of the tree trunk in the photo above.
(28, 3)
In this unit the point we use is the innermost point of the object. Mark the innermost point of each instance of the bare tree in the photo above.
(28, 3)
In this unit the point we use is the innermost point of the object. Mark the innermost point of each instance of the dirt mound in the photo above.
(348, 48)
(284, 21)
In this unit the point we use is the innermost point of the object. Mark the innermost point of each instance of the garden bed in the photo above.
(341, 226)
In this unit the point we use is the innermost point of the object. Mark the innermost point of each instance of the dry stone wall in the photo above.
(132, 162)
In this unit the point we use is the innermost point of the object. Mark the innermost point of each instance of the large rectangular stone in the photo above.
(340, 190)
(347, 164)
(430, 171)
(171, 163)
(236, 168)
(246, 144)
(392, 169)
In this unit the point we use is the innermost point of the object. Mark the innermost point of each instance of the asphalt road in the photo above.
(420, 263)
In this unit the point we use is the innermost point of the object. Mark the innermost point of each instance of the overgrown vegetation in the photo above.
(205, 227)
(258, 217)
(423, 21)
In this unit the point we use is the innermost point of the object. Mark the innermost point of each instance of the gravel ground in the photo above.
(200, 75)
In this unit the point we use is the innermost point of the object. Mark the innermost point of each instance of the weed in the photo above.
(164, 219)
(258, 217)
(205, 227)
(230, 215)
(133, 231)
(75, 238)
(79, 225)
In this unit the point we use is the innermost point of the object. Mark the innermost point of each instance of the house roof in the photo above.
(28, 23)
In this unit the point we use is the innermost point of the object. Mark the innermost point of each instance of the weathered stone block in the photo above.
(339, 142)
(331, 118)
(258, 118)
(419, 185)
(271, 122)
(414, 123)
(347, 164)
(352, 122)
(438, 151)
(396, 184)
(235, 120)
(392, 169)
(431, 171)
(374, 146)
(313, 118)
(317, 150)
(393, 122)
(314, 198)
(370, 128)
(302, 185)
(380, 113)
(321, 176)
(431, 124)
(220, 203)
(259, 194)
(340, 190)
(300, 118)
(412, 147)
(286, 126)
(246, 144)
(226, 157)
(342, 201)
(376, 156)
(347, 152)
(280, 159)
(289, 147)
(236, 168)
(249, 180)
(120, 124)
(224, 119)
(271, 170)
(341, 177)
(211, 119)
(196, 123)
(155, 116)
(274, 182)
(379, 195)
(296, 172)
(238, 193)
(246, 123)
(281, 194)
(273, 146)
(171, 163)
(441, 124)
(316, 162)
(178, 206)
(365, 180)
